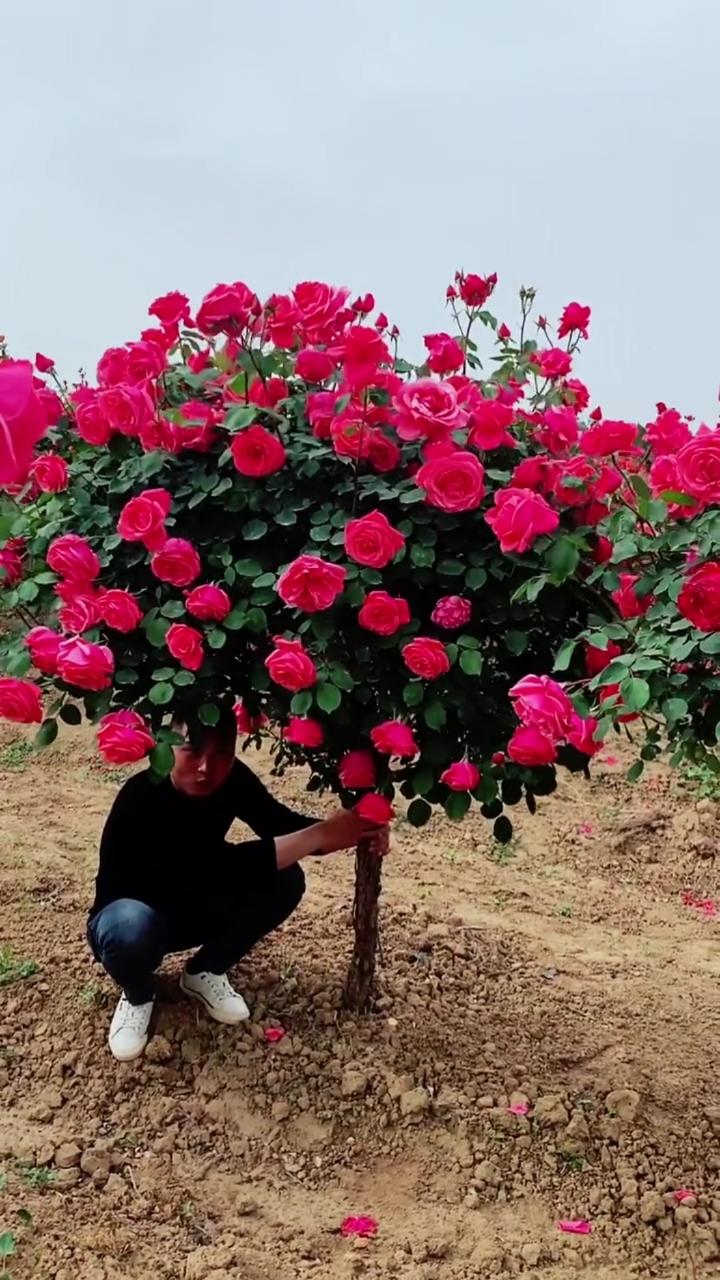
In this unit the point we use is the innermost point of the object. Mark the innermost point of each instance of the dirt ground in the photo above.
(565, 975)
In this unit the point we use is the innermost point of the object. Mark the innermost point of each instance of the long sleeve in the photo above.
(258, 808)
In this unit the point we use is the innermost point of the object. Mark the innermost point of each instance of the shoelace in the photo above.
(131, 1015)
(220, 987)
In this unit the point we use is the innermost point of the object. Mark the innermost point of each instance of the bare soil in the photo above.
(564, 973)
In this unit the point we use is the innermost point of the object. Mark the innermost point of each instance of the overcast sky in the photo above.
(568, 144)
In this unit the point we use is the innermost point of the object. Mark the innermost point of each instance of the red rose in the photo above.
(628, 604)
(311, 584)
(145, 361)
(43, 644)
(462, 776)
(445, 353)
(393, 738)
(668, 433)
(553, 363)
(451, 612)
(79, 613)
(268, 392)
(698, 468)
(489, 423)
(257, 452)
(124, 737)
(73, 558)
(574, 319)
(208, 602)
(357, 770)
(290, 666)
(362, 351)
(23, 421)
(581, 735)
(227, 309)
(11, 565)
(372, 540)
(171, 309)
(119, 609)
(383, 453)
(246, 722)
(528, 746)
(142, 519)
(699, 599)
(596, 660)
(112, 367)
(559, 432)
(92, 427)
(50, 473)
(453, 482)
(20, 701)
(664, 477)
(426, 658)
(383, 613)
(85, 665)
(313, 366)
(519, 517)
(178, 563)
(542, 703)
(428, 410)
(606, 438)
(125, 409)
(43, 364)
(474, 290)
(185, 644)
(320, 410)
(375, 808)
(320, 310)
(303, 732)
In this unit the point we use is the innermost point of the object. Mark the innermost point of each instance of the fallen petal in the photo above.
(575, 1226)
(608, 759)
(519, 1109)
(273, 1034)
(586, 828)
(683, 1195)
(361, 1226)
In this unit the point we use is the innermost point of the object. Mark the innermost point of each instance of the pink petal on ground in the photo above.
(575, 1226)
(608, 759)
(519, 1109)
(708, 907)
(683, 1195)
(361, 1226)
(273, 1034)
(586, 828)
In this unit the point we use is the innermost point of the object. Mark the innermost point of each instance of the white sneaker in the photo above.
(215, 992)
(129, 1029)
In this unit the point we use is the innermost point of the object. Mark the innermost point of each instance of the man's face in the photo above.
(200, 770)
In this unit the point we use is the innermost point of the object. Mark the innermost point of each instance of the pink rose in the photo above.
(303, 732)
(528, 747)
(119, 609)
(451, 612)
(393, 738)
(145, 361)
(581, 734)
(43, 644)
(596, 660)
(257, 452)
(371, 540)
(20, 701)
(142, 519)
(112, 367)
(208, 602)
(453, 482)
(43, 364)
(124, 737)
(227, 309)
(543, 703)
(290, 666)
(553, 363)
(375, 808)
(171, 309)
(445, 353)
(428, 410)
(574, 319)
(11, 565)
(313, 366)
(177, 563)
(490, 420)
(246, 722)
(185, 644)
(50, 473)
(383, 613)
(383, 453)
(85, 665)
(357, 770)
(23, 421)
(126, 409)
(462, 776)
(73, 558)
(519, 517)
(79, 613)
(311, 584)
(426, 658)
(320, 310)
(629, 605)
(698, 468)
(474, 289)
(92, 427)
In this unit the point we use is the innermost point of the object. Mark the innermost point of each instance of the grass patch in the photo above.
(13, 969)
(16, 755)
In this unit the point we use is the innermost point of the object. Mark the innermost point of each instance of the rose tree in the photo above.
(381, 563)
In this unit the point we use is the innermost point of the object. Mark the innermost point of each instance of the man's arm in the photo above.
(122, 850)
(258, 808)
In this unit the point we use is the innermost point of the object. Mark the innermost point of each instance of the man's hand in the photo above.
(379, 841)
(345, 828)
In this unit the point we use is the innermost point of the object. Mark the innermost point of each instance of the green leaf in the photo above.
(413, 693)
(457, 804)
(255, 620)
(711, 644)
(503, 829)
(216, 638)
(423, 557)
(451, 568)
(534, 587)
(183, 678)
(161, 694)
(248, 568)
(435, 715)
(71, 714)
(301, 703)
(564, 656)
(419, 811)
(471, 662)
(156, 629)
(47, 733)
(235, 621)
(562, 559)
(423, 780)
(18, 664)
(328, 697)
(475, 579)
(7, 1244)
(241, 416)
(209, 714)
(265, 580)
(635, 771)
(161, 759)
(516, 641)
(635, 693)
(674, 709)
(163, 673)
(126, 676)
(173, 609)
(253, 530)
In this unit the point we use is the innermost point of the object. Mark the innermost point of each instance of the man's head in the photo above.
(205, 758)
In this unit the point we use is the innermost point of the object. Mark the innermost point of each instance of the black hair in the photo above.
(223, 732)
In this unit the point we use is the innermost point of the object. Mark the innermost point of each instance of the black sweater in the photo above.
(168, 849)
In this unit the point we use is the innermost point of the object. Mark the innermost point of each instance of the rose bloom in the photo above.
(208, 602)
(553, 363)
(668, 433)
(313, 366)
(698, 468)
(699, 599)
(383, 453)
(393, 738)
(171, 309)
(125, 409)
(519, 517)
(50, 473)
(596, 660)
(226, 309)
(489, 423)
(185, 644)
(320, 309)
(451, 612)
(23, 421)
(124, 738)
(311, 584)
(142, 519)
(611, 693)
(145, 361)
(542, 703)
(375, 808)
(119, 609)
(581, 735)
(43, 644)
(606, 438)
(664, 477)
(20, 701)
(11, 565)
(257, 452)
(529, 747)
(268, 393)
(112, 367)
(628, 604)
(372, 541)
(85, 665)
(92, 427)
(475, 290)
(79, 613)
(290, 666)
(357, 770)
(445, 353)
(43, 364)
(73, 558)
(383, 613)
(427, 410)
(426, 658)
(574, 319)
(246, 722)
(177, 563)
(363, 350)
(320, 411)
(462, 776)
(303, 732)
(453, 482)
(559, 431)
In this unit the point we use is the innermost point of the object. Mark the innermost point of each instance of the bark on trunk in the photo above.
(359, 985)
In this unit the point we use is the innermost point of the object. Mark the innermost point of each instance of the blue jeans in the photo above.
(130, 939)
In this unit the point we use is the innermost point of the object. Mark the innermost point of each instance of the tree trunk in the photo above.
(359, 984)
